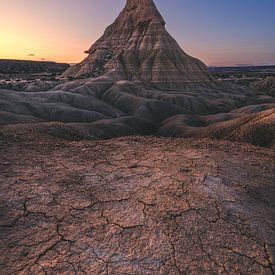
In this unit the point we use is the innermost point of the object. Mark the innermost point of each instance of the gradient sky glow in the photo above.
(219, 32)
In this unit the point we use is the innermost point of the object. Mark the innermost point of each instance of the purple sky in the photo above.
(219, 32)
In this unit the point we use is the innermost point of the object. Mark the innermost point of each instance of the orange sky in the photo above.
(27, 32)
(27, 40)
(219, 32)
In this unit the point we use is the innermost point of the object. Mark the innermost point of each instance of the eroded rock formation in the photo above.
(136, 205)
(137, 47)
(137, 80)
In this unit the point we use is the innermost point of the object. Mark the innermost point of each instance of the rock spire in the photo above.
(137, 47)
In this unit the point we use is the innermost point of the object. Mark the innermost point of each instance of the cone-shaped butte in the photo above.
(137, 47)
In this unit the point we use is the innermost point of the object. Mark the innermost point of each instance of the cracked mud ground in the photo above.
(136, 205)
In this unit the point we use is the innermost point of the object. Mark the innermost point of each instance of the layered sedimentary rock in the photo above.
(137, 80)
(136, 205)
(137, 47)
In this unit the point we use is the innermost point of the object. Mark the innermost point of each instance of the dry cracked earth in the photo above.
(135, 205)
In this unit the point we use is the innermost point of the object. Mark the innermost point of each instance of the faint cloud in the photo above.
(31, 54)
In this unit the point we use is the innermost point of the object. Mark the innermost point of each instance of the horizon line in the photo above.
(208, 65)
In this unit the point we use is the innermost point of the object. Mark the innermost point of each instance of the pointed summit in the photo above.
(142, 10)
(137, 47)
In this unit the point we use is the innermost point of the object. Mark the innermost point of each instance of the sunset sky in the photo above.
(219, 32)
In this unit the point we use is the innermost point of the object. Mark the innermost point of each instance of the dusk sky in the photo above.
(219, 32)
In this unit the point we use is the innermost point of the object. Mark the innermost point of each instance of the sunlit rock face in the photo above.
(137, 47)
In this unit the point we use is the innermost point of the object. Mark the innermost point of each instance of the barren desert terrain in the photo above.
(137, 160)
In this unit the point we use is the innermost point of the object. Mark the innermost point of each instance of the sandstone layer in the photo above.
(137, 47)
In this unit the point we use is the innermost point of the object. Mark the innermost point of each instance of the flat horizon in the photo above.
(73, 63)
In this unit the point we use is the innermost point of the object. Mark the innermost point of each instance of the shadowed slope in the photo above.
(267, 85)
(256, 128)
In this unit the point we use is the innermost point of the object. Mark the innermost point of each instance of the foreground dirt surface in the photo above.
(136, 205)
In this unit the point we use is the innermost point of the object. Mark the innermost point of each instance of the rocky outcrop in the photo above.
(137, 47)
(10, 66)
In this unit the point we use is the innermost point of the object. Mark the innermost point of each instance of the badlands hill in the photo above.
(137, 80)
(71, 204)
(267, 85)
(137, 47)
(12, 66)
